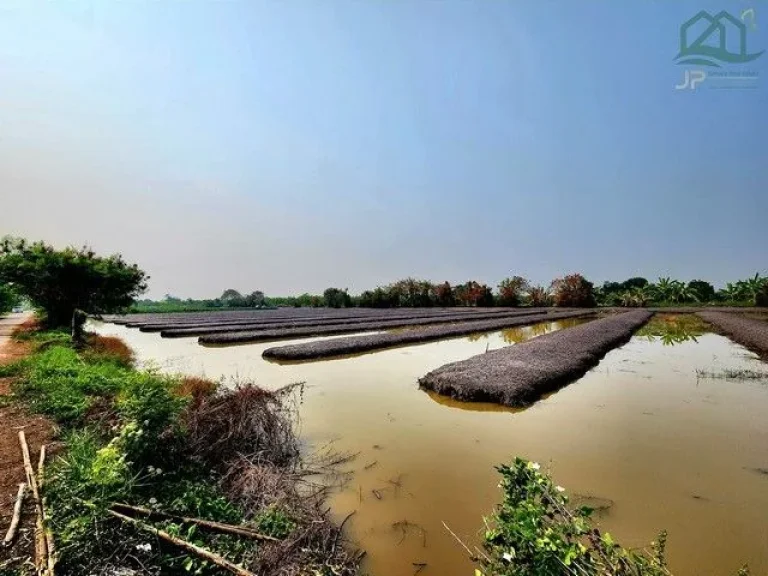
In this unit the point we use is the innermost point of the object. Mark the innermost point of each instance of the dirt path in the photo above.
(38, 431)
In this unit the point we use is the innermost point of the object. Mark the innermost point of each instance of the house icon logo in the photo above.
(710, 47)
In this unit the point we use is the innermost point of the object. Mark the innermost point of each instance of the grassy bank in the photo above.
(156, 448)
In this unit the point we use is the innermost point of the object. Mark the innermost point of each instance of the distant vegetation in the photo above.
(572, 290)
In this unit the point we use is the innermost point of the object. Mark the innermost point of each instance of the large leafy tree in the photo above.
(512, 290)
(62, 281)
(573, 291)
(337, 298)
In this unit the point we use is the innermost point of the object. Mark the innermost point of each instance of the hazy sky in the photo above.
(288, 146)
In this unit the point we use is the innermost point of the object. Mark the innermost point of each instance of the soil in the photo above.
(38, 430)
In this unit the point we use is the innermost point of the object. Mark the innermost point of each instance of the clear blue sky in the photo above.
(289, 146)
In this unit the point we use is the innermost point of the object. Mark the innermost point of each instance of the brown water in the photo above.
(641, 433)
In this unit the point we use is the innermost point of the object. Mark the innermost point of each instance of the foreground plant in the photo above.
(169, 475)
(534, 532)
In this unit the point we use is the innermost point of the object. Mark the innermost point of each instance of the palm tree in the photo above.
(664, 289)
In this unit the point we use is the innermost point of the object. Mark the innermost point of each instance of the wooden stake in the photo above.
(41, 549)
(11, 534)
(41, 468)
(210, 524)
(219, 561)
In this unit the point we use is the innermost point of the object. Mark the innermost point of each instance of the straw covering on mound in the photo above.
(356, 344)
(334, 329)
(521, 374)
(748, 332)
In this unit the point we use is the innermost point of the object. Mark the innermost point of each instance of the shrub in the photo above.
(194, 388)
(534, 533)
(245, 420)
(573, 291)
(146, 398)
(108, 349)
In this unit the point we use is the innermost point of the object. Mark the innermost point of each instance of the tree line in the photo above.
(60, 283)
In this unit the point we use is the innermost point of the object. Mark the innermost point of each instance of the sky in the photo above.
(288, 146)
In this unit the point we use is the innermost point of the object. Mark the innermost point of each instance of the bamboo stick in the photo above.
(11, 534)
(41, 468)
(50, 547)
(210, 524)
(216, 559)
(41, 549)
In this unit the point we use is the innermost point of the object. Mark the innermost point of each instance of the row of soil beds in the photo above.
(367, 343)
(749, 332)
(264, 335)
(241, 325)
(521, 374)
(342, 326)
(218, 316)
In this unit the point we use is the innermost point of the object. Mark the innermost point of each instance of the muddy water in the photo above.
(641, 435)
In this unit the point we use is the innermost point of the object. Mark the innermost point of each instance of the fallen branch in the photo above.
(210, 524)
(11, 534)
(216, 559)
(41, 548)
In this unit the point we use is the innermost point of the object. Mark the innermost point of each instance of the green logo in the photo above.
(701, 53)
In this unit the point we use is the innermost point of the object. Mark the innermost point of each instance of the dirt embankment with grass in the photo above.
(521, 374)
(169, 475)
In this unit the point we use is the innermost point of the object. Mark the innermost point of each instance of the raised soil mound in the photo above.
(357, 344)
(749, 332)
(521, 374)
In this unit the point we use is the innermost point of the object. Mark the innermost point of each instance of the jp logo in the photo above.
(700, 53)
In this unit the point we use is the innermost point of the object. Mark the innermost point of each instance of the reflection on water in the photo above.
(640, 433)
(671, 329)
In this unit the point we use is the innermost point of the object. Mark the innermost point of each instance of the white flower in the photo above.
(508, 556)
(559, 488)
(534, 465)
(153, 501)
(144, 547)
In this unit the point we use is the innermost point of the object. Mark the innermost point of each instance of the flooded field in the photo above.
(645, 437)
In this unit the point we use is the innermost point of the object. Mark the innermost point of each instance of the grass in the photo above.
(178, 445)
(733, 374)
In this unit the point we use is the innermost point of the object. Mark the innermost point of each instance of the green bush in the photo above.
(535, 533)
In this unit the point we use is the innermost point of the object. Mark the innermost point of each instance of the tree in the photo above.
(538, 296)
(336, 298)
(255, 299)
(761, 299)
(473, 294)
(443, 295)
(511, 291)
(703, 290)
(8, 298)
(62, 281)
(232, 298)
(573, 291)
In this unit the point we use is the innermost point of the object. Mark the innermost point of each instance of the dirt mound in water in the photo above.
(521, 374)
(748, 332)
